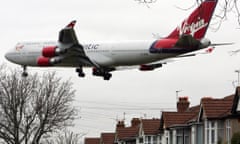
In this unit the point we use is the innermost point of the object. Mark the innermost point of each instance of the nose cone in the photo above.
(10, 57)
(7, 56)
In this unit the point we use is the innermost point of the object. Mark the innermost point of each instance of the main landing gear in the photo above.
(101, 72)
(96, 72)
(24, 73)
(80, 72)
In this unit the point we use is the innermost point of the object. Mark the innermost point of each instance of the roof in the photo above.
(171, 119)
(107, 138)
(194, 109)
(151, 126)
(92, 141)
(127, 132)
(217, 108)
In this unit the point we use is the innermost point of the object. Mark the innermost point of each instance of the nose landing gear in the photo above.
(24, 73)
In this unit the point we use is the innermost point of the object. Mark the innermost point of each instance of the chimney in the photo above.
(120, 124)
(135, 122)
(182, 104)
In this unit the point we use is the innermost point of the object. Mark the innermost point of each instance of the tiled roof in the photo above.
(92, 141)
(177, 118)
(127, 132)
(217, 108)
(107, 138)
(151, 126)
(194, 109)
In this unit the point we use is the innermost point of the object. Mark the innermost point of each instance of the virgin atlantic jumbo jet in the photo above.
(106, 57)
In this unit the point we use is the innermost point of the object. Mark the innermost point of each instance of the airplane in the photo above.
(106, 57)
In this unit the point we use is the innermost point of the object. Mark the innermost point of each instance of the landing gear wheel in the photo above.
(80, 72)
(24, 74)
(107, 76)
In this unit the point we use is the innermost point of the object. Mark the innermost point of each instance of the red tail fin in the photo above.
(197, 23)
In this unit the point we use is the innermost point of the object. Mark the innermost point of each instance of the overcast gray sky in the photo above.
(135, 93)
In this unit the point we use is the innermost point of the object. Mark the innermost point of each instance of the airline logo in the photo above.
(192, 28)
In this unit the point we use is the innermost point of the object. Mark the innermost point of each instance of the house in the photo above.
(127, 135)
(213, 121)
(149, 131)
(220, 118)
(141, 131)
(175, 126)
(107, 138)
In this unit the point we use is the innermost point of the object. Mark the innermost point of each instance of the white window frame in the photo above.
(228, 131)
(148, 139)
(211, 132)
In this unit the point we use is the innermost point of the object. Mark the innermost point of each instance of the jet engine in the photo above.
(150, 67)
(51, 51)
(45, 61)
(146, 68)
(205, 43)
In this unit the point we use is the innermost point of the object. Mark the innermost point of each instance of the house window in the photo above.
(182, 136)
(211, 132)
(140, 140)
(228, 131)
(147, 139)
(186, 139)
(166, 134)
(154, 139)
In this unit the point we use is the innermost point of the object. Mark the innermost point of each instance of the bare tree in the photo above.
(33, 107)
(67, 137)
(146, 2)
(225, 7)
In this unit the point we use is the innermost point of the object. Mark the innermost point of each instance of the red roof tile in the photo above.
(127, 132)
(151, 126)
(107, 138)
(177, 118)
(92, 141)
(194, 109)
(217, 108)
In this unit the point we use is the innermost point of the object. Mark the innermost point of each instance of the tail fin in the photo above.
(197, 23)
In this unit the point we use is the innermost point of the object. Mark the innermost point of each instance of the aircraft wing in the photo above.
(160, 63)
(74, 50)
(67, 35)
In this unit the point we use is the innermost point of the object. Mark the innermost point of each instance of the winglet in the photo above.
(71, 24)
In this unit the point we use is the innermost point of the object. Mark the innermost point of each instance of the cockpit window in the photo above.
(19, 47)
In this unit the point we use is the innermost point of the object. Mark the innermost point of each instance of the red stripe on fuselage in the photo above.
(165, 43)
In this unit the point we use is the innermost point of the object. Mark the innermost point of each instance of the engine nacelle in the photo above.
(51, 51)
(45, 61)
(150, 67)
(146, 68)
(205, 43)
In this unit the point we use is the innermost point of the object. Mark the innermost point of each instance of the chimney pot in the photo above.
(183, 104)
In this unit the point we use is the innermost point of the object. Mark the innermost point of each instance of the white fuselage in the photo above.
(108, 54)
